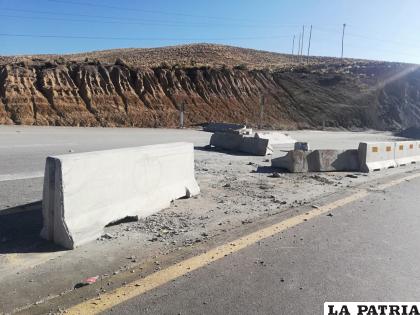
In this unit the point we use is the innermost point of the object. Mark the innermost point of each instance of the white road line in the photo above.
(17, 146)
(17, 176)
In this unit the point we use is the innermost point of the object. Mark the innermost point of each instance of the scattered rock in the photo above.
(352, 176)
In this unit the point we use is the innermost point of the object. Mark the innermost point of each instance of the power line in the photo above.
(90, 4)
(137, 38)
(127, 20)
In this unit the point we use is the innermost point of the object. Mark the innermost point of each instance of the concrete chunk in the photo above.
(336, 160)
(295, 161)
(84, 192)
(240, 143)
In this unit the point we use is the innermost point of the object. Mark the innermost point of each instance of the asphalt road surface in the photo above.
(342, 257)
(23, 150)
(366, 251)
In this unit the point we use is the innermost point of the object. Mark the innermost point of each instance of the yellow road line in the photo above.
(133, 289)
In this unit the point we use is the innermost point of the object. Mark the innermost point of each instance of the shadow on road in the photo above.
(269, 170)
(19, 230)
(217, 150)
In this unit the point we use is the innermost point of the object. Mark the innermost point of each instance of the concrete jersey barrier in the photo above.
(336, 160)
(223, 127)
(406, 152)
(376, 156)
(241, 143)
(299, 161)
(275, 138)
(84, 192)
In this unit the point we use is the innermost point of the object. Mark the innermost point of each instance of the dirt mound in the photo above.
(145, 87)
(411, 133)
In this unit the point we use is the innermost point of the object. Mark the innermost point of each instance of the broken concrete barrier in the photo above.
(275, 138)
(86, 191)
(335, 161)
(304, 146)
(222, 127)
(240, 143)
(375, 156)
(299, 161)
(295, 161)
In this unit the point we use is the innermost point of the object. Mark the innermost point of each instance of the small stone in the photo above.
(352, 176)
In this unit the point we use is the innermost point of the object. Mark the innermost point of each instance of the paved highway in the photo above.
(317, 256)
(23, 150)
(367, 250)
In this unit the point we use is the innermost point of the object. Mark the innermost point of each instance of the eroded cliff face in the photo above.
(93, 94)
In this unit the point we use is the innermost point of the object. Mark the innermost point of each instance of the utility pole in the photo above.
(181, 115)
(309, 44)
(342, 41)
(303, 36)
(298, 51)
(293, 45)
(261, 111)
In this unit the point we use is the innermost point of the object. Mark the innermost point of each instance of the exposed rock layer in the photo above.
(363, 94)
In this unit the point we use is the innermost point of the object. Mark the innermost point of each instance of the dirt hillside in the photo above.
(144, 87)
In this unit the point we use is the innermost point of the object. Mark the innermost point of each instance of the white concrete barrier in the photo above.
(375, 156)
(275, 138)
(335, 161)
(84, 192)
(418, 151)
(241, 143)
(295, 161)
(223, 127)
(406, 152)
(299, 161)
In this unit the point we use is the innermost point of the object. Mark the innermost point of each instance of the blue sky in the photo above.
(383, 30)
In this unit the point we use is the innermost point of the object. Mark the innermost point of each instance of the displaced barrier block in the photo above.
(336, 160)
(275, 138)
(222, 127)
(240, 143)
(406, 152)
(299, 161)
(375, 156)
(86, 191)
(295, 161)
(304, 146)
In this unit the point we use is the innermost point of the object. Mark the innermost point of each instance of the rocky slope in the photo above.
(125, 88)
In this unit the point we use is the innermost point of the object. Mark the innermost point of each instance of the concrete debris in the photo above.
(304, 146)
